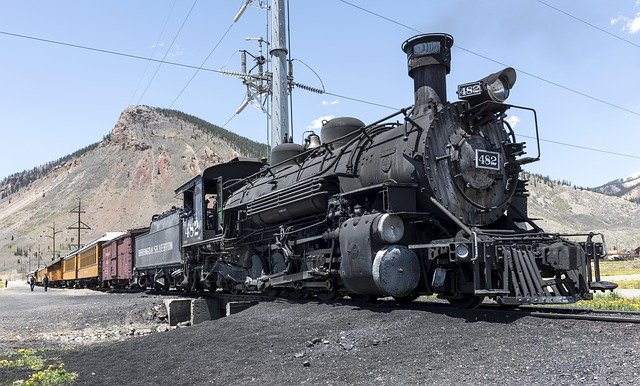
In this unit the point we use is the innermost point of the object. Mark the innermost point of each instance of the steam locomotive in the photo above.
(432, 205)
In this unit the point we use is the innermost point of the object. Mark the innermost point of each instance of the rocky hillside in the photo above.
(122, 181)
(566, 209)
(627, 188)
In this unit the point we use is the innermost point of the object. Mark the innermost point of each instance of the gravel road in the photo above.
(60, 317)
(341, 343)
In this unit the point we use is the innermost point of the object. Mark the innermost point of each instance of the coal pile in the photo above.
(310, 343)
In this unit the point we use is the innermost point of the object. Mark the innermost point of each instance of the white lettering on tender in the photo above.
(168, 246)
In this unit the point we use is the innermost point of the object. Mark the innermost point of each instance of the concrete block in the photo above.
(235, 307)
(205, 309)
(178, 310)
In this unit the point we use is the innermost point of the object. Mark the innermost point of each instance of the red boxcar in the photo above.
(117, 259)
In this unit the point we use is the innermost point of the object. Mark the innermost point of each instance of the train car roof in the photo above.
(129, 232)
(105, 237)
(239, 167)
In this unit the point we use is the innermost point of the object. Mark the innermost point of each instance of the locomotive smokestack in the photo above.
(429, 59)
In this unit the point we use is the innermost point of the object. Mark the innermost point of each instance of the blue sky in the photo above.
(56, 99)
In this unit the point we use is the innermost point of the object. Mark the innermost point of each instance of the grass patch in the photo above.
(612, 301)
(628, 284)
(28, 359)
(614, 268)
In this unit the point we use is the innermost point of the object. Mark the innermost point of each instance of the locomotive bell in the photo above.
(312, 141)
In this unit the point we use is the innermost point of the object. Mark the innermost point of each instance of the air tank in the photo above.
(340, 131)
(283, 152)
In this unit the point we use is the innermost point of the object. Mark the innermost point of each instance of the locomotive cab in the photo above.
(203, 197)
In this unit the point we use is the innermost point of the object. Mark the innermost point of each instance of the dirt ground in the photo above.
(285, 342)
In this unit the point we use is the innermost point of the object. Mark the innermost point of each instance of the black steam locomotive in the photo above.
(433, 205)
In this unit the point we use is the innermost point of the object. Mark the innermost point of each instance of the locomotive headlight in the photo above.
(494, 87)
(389, 228)
(462, 251)
(498, 91)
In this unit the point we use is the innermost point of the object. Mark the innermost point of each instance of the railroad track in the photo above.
(613, 316)
(581, 314)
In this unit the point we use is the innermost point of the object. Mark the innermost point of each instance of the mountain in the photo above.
(565, 209)
(627, 188)
(122, 181)
(132, 173)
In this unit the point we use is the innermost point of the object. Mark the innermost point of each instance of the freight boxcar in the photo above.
(117, 259)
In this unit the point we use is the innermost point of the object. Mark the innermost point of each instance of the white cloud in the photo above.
(157, 45)
(317, 123)
(631, 26)
(513, 120)
(332, 103)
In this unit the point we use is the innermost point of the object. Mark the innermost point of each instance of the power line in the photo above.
(500, 63)
(155, 46)
(589, 24)
(361, 100)
(201, 65)
(110, 52)
(381, 16)
(229, 120)
(131, 56)
(582, 147)
(167, 52)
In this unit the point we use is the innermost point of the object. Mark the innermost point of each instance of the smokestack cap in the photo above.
(428, 49)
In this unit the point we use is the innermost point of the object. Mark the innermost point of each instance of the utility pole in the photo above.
(53, 237)
(279, 84)
(80, 225)
(276, 83)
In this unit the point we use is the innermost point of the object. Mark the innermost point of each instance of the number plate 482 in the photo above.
(487, 159)
(469, 89)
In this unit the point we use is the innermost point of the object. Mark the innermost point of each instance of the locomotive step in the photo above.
(603, 286)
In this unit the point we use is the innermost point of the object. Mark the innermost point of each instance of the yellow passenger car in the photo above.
(87, 264)
(55, 273)
(69, 268)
